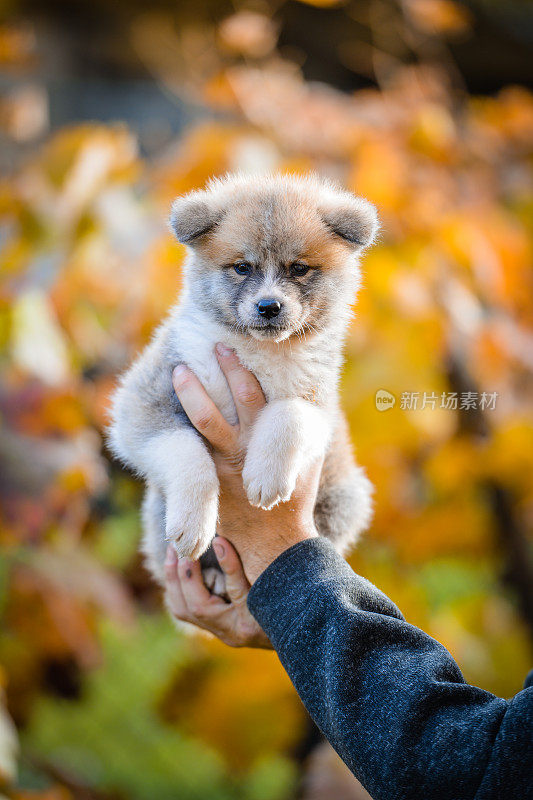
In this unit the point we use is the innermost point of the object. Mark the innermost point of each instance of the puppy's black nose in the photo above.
(268, 307)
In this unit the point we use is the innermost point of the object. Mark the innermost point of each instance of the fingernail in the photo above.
(218, 547)
(222, 350)
(186, 562)
(179, 372)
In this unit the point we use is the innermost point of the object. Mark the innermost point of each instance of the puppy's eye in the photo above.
(298, 270)
(242, 268)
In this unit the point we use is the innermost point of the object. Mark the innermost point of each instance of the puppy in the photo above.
(272, 272)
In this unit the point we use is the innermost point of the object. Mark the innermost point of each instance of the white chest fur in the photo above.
(290, 369)
(195, 342)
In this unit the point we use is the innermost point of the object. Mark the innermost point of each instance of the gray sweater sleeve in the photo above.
(388, 697)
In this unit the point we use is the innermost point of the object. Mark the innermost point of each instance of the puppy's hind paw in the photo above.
(215, 581)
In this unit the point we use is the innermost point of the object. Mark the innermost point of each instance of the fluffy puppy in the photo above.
(272, 272)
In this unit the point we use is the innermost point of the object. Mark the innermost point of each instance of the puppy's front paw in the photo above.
(191, 524)
(265, 485)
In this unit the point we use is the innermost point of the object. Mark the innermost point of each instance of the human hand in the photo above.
(188, 599)
(258, 535)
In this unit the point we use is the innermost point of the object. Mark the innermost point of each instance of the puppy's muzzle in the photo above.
(268, 307)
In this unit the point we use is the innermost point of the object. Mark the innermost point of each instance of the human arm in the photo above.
(389, 698)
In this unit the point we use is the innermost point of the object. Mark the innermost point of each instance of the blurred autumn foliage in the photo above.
(102, 698)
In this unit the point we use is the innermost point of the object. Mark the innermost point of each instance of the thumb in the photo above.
(237, 586)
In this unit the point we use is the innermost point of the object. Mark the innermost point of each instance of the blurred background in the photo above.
(107, 111)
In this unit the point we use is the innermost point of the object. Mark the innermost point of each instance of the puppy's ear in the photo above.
(192, 216)
(352, 218)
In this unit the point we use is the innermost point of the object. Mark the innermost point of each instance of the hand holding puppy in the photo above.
(188, 599)
(259, 536)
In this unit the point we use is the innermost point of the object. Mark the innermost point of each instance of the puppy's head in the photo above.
(274, 256)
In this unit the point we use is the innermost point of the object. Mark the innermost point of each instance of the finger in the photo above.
(173, 594)
(237, 586)
(195, 593)
(244, 386)
(201, 410)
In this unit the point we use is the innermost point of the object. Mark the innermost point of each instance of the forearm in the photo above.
(390, 699)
